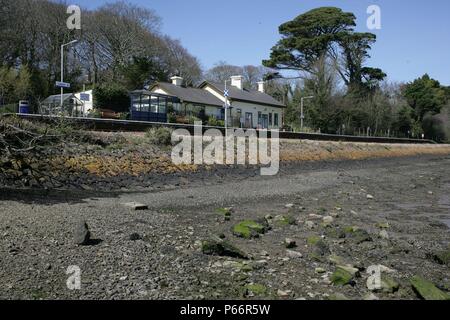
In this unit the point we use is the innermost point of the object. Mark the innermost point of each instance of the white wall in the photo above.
(88, 105)
(250, 108)
(244, 106)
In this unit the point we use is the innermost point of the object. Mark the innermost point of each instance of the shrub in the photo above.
(212, 121)
(192, 119)
(171, 117)
(113, 97)
(160, 136)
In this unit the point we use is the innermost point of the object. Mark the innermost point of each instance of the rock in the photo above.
(335, 233)
(371, 296)
(256, 289)
(293, 254)
(384, 235)
(327, 220)
(427, 290)
(369, 196)
(383, 225)
(320, 270)
(321, 248)
(353, 271)
(135, 236)
(334, 214)
(389, 285)
(289, 205)
(248, 229)
(82, 235)
(338, 296)
(442, 257)
(219, 247)
(312, 241)
(290, 243)
(357, 234)
(283, 220)
(310, 224)
(341, 277)
(226, 212)
(136, 206)
(284, 293)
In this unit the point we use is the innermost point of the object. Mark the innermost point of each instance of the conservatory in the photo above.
(153, 107)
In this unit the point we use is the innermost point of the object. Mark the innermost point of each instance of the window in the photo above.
(162, 105)
(275, 119)
(136, 103)
(154, 104)
(145, 103)
(270, 118)
(259, 117)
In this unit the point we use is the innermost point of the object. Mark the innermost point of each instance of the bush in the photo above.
(160, 136)
(94, 113)
(213, 122)
(171, 117)
(113, 97)
(192, 119)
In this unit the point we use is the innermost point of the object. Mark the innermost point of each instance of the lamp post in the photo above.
(225, 94)
(62, 67)
(302, 115)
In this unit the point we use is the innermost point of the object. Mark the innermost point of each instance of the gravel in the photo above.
(164, 260)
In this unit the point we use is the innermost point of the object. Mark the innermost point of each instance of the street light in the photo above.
(302, 116)
(225, 93)
(62, 67)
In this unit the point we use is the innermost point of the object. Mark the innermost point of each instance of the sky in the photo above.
(414, 38)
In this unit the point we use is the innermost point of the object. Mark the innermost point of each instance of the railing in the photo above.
(129, 125)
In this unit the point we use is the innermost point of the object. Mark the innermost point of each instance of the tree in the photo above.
(222, 71)
(15, 85)
(141, 72)
(320, 35)
(425, 95)
(112, 96)
(308, 38)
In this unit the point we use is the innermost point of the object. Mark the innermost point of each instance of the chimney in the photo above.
(237, 81)
(178, 81)
(261, 86)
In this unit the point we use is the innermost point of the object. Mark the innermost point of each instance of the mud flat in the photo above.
(313, 232)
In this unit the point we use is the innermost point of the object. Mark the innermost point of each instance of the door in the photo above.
(249, 120)
(265, 121)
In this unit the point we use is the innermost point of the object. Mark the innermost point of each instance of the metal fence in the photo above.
(129, 125)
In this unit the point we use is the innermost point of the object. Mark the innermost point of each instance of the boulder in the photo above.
(442, 257)
(427, 290)
(293, 254)
(136, 206)
(82, 235)
(290, 243)
(248, 229)
(341, 277)
(219, 247)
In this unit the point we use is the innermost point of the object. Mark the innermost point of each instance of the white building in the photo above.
(248, 108)
(87, 99)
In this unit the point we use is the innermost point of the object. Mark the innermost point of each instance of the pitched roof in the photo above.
(245, 95)
(194, 95)
(56, 98)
